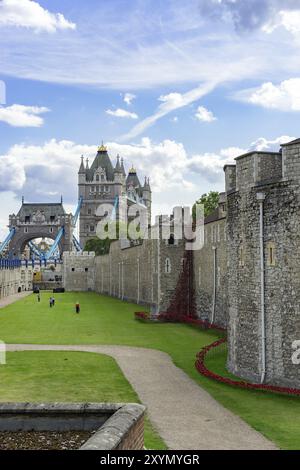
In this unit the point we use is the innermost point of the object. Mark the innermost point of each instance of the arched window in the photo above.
(167, 266)
(97, 178)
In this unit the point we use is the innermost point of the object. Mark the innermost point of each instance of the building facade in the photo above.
(103, 183)
(14, 278)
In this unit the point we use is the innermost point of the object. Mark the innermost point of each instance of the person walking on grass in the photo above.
(77, 307)
(50, 302)
(39, 297)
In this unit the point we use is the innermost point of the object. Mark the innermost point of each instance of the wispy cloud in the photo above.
(121, 113)
(30, 14)
(171, 51)
(18, 115)
(170, 103)
(252, 14)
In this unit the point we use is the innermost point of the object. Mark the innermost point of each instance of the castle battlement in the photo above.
(75, 254)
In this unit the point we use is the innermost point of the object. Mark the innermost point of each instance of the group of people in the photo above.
(52, 303)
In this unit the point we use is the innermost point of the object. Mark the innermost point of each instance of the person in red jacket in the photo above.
(77, 307)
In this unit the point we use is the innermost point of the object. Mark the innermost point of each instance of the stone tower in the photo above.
(102, 183)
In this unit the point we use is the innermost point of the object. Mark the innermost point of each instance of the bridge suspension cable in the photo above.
(4, 244)
(77, 244)
(77, 211)
(54, 247)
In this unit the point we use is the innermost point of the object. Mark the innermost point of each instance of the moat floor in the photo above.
(106, 321)
(185, 415)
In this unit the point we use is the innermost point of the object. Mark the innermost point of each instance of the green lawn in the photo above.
(104, 320)
(42, 376)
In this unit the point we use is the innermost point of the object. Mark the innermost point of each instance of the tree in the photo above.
(210, 202)
(101, 246)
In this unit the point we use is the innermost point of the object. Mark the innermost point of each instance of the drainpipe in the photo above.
(261, 197)
(138, 281)
(214, 285)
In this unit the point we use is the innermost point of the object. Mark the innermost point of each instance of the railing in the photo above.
(10, 263)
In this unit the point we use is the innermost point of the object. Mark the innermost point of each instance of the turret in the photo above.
(118, 177)
(122, 168)
(81, 172)
(147, 197)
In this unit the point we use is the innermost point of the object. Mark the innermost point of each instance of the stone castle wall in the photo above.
(79, 271)
(210, 274)
(281, 267)
(14, 280)
(227, 270)
(146, 274)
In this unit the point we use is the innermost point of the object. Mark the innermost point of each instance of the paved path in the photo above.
(184, 414)
(13, 298)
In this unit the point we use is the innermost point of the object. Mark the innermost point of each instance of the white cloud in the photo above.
(210, 165)
(288, 19)
(122, 113)
(18, 115)
(205, 115)
(170, 103)
(285, 96)
(181, 55)
(164, 162)
(173, 100)
(262, 143)
(42, 173)
(128, 98)
(30, 14)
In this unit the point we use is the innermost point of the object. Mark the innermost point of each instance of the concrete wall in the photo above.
(117, 426)
(11, 280)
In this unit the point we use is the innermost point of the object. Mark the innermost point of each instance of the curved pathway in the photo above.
(184, 414)
(4, 301)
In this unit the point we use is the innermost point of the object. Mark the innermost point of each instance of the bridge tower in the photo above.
(40, 220)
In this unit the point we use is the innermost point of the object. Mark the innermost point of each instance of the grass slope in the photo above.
(48, 376)
(104, 320)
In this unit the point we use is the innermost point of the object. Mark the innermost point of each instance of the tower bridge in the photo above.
(41, 220)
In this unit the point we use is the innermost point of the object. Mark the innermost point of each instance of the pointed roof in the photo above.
(132, 178)
(122, 167)
(102, 160)
(118, 168)
(146, 184)
(81, 168)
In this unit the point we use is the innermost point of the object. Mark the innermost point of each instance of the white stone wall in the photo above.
(79, 271)
(13, 280)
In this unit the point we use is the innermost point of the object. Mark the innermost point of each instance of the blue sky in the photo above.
(177, 88)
